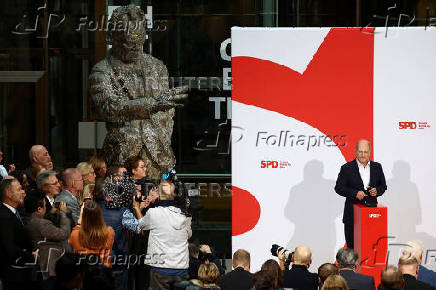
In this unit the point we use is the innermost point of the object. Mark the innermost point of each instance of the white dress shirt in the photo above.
(51, 200)
(364, 173)
(13, 209)
(3, 171)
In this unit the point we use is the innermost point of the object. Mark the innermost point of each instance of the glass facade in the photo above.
(48, 47)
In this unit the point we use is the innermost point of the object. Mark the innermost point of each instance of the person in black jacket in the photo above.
(347, 260)
(391, 279)
(360, 181)
(240, 278)
(299, 276)
(408, 266)
(15, 246)
(199, 255)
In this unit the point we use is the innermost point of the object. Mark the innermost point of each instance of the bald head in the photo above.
(39, 155)
(72, 180)
(302, 256)
(363, 151)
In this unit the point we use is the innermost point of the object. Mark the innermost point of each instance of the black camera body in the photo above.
(287, 254)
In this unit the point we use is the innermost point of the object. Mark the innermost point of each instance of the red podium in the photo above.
(370, 239)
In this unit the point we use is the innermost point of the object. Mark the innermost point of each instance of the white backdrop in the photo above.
(298, 205)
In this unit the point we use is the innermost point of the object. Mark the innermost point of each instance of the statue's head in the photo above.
(127, 33)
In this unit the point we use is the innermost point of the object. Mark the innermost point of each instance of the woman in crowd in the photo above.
(99, 166)
(274, 268)
(91, 235)
(335, 282)
(208, 274)
(87, 171)
(88, 176)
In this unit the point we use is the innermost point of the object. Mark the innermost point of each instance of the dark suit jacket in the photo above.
(427, 276)
(349, 183)
(236, 279)
(357, 281)
(410, 283)
(299, 277)
(15, 246)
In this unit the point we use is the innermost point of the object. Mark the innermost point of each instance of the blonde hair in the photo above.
(208, 273)
(334, 282)
(85, 168)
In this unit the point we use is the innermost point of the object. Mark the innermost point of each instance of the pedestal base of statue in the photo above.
(370, 239)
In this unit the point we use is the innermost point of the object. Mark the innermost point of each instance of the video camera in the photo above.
(287, 254)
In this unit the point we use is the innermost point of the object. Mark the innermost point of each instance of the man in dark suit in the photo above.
(360, 181)
(347, 260)
(408, 266)
(299, 277)
(15, 246)
(240, 277)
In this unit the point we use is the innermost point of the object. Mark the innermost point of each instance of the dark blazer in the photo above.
(236, 279)
(427, 276)
(349, 183)
(410, 283)
(48, 239)
(15, 246)
(299, 277)
(357, 281)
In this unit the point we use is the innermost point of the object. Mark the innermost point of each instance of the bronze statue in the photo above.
(130, 89)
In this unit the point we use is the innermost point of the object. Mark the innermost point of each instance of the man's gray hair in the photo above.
(347, 258)
(43, 176)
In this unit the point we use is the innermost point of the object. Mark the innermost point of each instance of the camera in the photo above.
(287, 254)
(119, 193)
(57, 204)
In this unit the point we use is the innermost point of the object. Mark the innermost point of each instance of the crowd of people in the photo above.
(94, 227)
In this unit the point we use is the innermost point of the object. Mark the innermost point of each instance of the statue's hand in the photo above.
(172, 96)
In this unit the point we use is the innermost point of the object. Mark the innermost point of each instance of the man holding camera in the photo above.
(299, 276)
(360, 181)
(169, 230)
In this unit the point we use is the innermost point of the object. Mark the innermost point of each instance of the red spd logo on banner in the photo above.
(274, 164)
(407, 125)
(269, 164)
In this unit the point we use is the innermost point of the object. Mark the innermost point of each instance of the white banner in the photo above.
(301, 99)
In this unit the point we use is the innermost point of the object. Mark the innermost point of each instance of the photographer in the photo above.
(299, 276)
(45, 236)
(169, 230)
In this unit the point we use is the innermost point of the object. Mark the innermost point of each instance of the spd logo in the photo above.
(407, 125)
(269, 164)
(374, 215)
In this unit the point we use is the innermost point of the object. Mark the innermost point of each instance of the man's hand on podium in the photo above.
(360, 195)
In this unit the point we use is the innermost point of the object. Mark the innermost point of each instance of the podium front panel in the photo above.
(371, 239)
